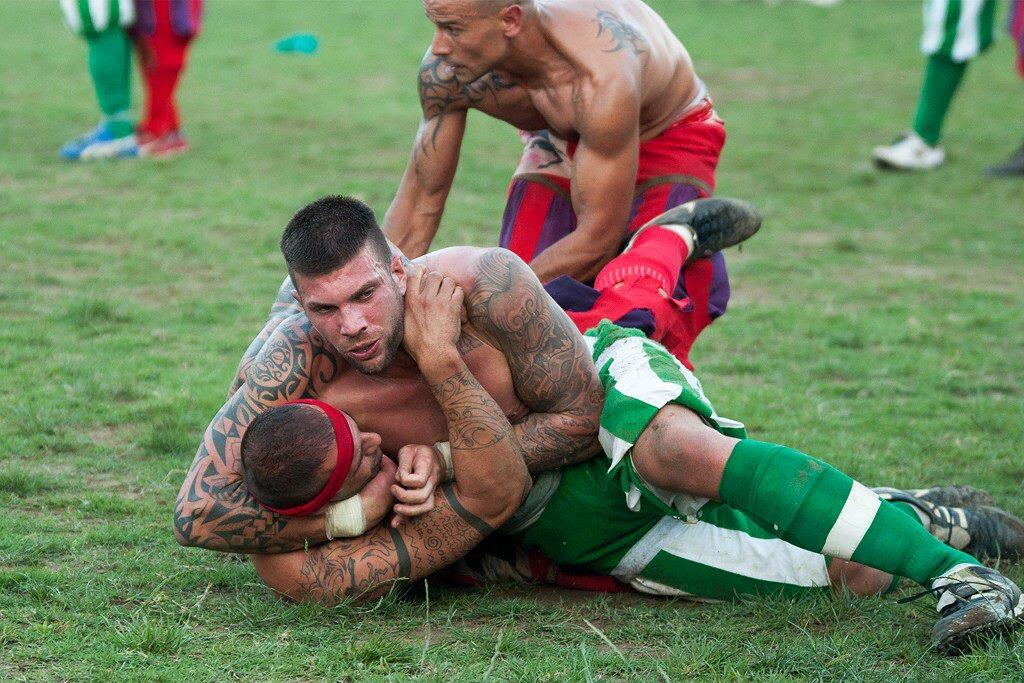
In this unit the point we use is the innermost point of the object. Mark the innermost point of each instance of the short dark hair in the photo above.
(325, 235)
(283, 453)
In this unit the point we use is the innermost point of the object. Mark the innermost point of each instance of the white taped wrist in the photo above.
(445, 449)
(345, 519)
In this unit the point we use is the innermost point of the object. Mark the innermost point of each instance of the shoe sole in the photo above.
(886, 165)
(986, 625)
(717, 222)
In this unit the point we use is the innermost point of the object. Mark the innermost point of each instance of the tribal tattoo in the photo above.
(622, 34)
(552, 370)
(214, 509)
(442, 91)
(364, 567)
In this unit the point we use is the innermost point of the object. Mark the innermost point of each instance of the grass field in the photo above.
(876, 321)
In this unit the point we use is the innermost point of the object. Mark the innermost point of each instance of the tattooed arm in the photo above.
(214, 509)
(415, 214)
(283, 307)
(552, 370)
(491, 479)
(601, 184)
(361, 568)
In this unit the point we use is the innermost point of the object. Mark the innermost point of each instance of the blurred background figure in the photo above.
(102, 24)
(162, 32)
(1014, 164)
(955, 32)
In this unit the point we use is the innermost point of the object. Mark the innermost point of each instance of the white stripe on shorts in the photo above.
(854, 521)
(99, 10)
(763, 559)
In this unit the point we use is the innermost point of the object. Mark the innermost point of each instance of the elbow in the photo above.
(507, 498)
(184, 528)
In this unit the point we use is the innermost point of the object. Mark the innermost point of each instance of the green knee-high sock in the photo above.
(941, 79)
(110, 66)
(816, 507)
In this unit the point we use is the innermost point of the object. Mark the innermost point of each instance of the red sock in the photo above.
(161, 110)
(657, 253)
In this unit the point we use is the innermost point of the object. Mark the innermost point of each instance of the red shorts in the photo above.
(675, 167)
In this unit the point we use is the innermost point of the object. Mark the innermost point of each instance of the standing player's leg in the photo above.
(954, 33)
(1014, 164)
(110, 70)
(166, 28)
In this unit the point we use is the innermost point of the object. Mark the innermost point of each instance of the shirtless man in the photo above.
(381, 339)
(622, 130)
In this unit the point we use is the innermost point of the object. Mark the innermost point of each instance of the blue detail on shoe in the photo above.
(99, 143)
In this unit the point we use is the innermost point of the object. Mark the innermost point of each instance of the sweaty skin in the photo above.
(516, 343)
(606, 74)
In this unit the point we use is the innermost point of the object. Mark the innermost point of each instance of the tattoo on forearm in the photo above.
(352, 569)
(475, 421)
(349, 568)
(404, 564)
(551, 367)
(623, 35)
(482, 527)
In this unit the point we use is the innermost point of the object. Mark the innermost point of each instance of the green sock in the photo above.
(815, 506)
(941, 79)
(110, 66)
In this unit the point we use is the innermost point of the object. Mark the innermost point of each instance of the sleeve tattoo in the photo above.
(214, 510)
(361, 568)
(551, 367)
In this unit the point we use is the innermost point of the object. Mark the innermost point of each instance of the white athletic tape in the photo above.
(345, 519)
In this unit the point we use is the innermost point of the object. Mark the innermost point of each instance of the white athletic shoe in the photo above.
(909, 153)
(111, 148)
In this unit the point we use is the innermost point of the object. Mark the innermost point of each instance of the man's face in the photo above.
(358, 309)
(366, 461)
(469, 37)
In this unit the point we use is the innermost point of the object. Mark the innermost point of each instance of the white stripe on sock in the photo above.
(854, 521)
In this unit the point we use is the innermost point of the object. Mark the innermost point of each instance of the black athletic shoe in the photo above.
(954, 496)
(1012, 166)
(715, 223)
(984, 531)
(975, 603)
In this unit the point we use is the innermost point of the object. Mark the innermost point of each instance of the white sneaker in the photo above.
(909, 153)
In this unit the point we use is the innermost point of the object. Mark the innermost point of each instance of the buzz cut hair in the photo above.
(328, 233)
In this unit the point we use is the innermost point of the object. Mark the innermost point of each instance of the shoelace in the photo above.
(989, 585)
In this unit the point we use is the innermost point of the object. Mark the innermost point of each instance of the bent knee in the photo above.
(678, 445)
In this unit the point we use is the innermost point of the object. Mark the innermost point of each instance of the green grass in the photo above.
(876, 321)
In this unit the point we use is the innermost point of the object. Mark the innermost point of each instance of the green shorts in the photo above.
(604, 518)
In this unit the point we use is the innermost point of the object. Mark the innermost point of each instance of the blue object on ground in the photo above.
(304, 43)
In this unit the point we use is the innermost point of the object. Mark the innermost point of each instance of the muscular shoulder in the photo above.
(466, 265)
(292, 356)
(442, 89)
(599, 33)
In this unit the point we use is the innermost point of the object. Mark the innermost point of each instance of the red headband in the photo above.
(346, 451)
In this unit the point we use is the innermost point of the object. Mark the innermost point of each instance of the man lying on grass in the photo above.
(382, 340)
